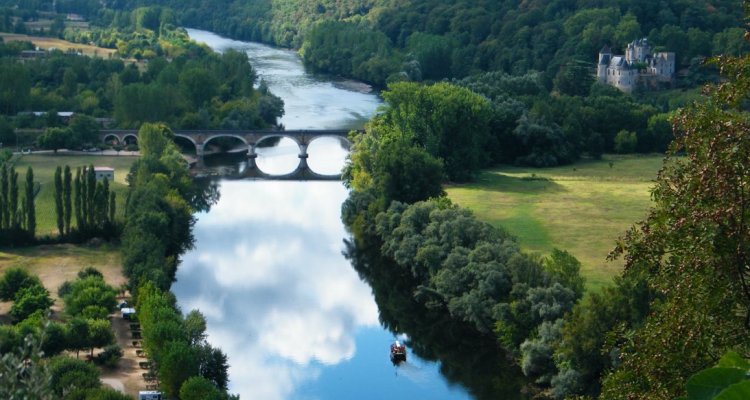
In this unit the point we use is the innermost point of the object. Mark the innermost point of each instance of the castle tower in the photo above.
(605, 55)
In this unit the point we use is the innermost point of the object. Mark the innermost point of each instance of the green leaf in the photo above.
(706, 384)
(733, 360)
(738, 391)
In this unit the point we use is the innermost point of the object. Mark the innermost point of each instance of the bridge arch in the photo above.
(111, 138)
(346, 144)
(130, 138)
(224, 135)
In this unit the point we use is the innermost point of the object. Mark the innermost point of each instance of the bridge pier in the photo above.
(303, 157)
(199, 151)
(251, 157)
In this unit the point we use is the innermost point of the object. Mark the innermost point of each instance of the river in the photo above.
(267, 271)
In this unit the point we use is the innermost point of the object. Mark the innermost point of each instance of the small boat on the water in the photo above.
(398, 352)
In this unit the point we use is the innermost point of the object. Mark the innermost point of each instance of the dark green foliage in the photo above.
(89, 291)
(178, 362)
(694, 247)
(67, 207)
(59, 210)
(109, 357)
(29, 203)
(14, 279)
(23, 374)
(199, 388)
(78, 199)
(29, 300)
(69, 374)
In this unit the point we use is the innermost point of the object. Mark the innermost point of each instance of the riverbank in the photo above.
(582, 208)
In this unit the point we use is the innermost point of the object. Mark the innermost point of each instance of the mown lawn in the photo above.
(581, 208)
(44, 172)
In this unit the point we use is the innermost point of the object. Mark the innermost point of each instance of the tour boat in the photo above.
(398, 352)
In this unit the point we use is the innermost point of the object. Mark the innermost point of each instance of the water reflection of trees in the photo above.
(204, 194)
(466, 357)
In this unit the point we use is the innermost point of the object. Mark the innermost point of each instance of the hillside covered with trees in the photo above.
(534, 61)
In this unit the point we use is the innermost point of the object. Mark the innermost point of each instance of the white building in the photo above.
(637, 67)
(104, 172)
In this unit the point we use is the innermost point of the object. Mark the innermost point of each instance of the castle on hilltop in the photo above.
(637, 67)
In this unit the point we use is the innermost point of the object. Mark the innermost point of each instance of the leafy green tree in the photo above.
(213, 365)
(199, 388)
(23, 373)
(55, 138)
(100, 334)
(69, 374)
(574, 78)
(625, 141)
(89, 291)
(694, 246)
(195, 326)
(566, 269)
(13, 280)
(29, 300)
(178, 363)
(78, 335)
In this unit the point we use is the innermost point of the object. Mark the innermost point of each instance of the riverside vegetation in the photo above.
(682, 300)
(684, 264)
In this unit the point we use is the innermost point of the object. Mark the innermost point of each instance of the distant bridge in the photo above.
(251, 139)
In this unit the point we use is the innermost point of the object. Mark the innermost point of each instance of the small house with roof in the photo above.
(104, 172)
(639, 66)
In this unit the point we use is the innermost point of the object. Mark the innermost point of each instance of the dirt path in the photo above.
(128, 374)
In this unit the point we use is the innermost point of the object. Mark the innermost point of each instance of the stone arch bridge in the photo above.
(251, 139)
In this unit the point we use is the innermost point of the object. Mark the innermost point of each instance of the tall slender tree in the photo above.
(105, 200)
(13, 202)
(112, 208)
(90, 193)
(77, 203)
(59, 201)
(5, 209)
(30, 210)
(67, 177)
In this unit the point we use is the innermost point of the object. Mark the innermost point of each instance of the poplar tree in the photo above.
(77, 199)
(90, 193)
(13, 202)
(30, 211)
(5, 209)
(59, 201)
(112, 208)
(67, 176)
(99, 201)
(105, 200)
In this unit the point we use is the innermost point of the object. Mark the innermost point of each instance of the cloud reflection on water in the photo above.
(268, 274)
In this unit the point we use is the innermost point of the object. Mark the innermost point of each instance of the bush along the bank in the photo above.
(158, 229)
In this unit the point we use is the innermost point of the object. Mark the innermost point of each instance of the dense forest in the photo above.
(533, 61)
(376, 40)
(161, 76)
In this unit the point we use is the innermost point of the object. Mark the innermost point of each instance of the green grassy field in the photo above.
(582, 208)
(44, 172)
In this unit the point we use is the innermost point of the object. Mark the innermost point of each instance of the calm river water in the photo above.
(268, 271)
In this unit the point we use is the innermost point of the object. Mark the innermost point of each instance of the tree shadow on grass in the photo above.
(526, 184)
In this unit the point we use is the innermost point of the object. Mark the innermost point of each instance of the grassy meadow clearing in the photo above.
(55, 264)
(582, 208)
(44, 172)
(44, 42)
